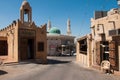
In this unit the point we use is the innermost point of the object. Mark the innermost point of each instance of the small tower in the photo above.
(49, 24)
(25, 12)
(68, 27)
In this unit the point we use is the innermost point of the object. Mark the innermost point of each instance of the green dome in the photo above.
(54, 30)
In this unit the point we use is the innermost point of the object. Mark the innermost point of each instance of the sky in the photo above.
(57, 11)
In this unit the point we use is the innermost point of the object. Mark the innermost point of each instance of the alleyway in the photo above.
(58, 68)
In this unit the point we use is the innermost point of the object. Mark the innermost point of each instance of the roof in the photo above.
(25, 3)
(59, 36)
(85, 37)
(54, 30)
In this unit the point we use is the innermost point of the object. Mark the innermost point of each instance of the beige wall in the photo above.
(11, 35)
(84, 59)
(41, 36)
(107, 24)
(12, 43)
(110, 22)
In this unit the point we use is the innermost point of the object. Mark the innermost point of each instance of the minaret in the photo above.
(68, 27)
(49, 24)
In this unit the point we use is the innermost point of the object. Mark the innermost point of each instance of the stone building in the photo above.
(84, 50)
(105, 42)
(58, 43)
(22, 39)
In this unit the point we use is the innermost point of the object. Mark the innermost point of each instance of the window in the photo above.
(83, 46)
(3, 48)
(40, 46)
(26, 11)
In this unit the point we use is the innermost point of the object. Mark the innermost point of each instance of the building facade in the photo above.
(57, 43)
(104, 43)
(22, 39)
(83, 47)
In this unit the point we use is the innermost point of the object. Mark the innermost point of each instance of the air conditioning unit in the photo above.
(112, 32)
(115, 32)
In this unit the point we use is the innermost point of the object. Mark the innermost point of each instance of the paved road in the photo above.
(58, 68)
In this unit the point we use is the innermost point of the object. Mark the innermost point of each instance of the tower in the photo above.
(49, 24)
(25, 12)
(68, 27)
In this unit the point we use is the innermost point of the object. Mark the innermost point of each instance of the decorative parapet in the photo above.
(14, 23)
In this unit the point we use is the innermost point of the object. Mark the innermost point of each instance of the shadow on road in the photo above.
(49, 61)
(3, 72)
(52, 61)
(31, 62)
(66, 56)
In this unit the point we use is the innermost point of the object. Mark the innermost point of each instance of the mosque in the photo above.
(23, 40)
(59, 44)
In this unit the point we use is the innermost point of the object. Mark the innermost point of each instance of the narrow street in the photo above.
(58, 68)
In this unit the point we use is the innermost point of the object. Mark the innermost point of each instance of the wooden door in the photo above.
(112, 54)
(98, 55)
(23, 49)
